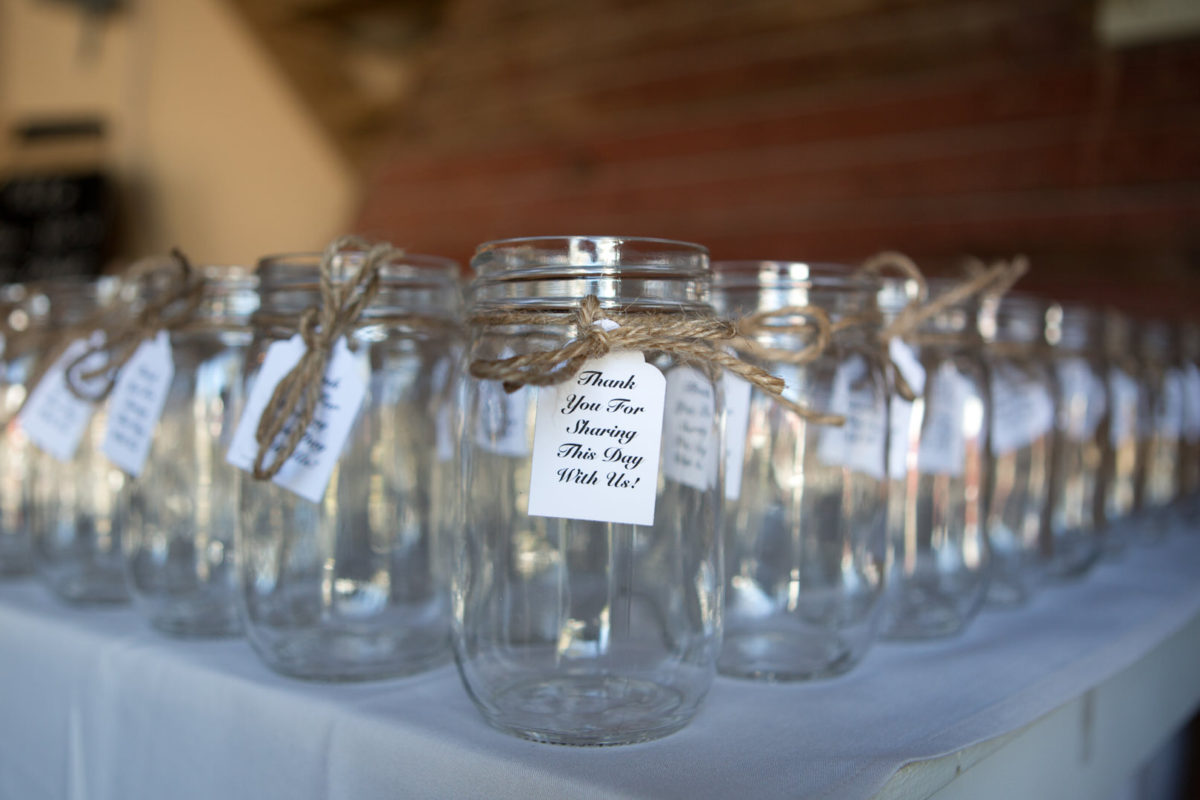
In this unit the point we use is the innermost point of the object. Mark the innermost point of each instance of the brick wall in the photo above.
(812, 131)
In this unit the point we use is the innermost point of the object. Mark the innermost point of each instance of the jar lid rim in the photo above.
(562, 238)
(300, 270)
(750, 273)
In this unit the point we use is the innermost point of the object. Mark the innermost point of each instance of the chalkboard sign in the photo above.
(56, 205)
(54, 224)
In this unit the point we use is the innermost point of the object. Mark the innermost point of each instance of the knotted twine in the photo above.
(817, 327)
(1014, 269)
(299, 392)
(172, 308)
(690, 338)
(820, 329)
(57, 343)
(990, 281)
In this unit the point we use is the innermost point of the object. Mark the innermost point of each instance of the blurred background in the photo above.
(1068, 130)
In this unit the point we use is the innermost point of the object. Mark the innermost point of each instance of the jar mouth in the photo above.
(301, 271)
(409, 283)
(1073, 325)
(538, 257)
(1014, 317)
(68, 300)
(757, 275)
(228, 273)
(1077, 313)
(1023, 304)
(896, 293)
(229, 295)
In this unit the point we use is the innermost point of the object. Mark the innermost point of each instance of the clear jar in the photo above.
(805, 503)
(1020, 442)
(1074, 523)
(179, 531)
(26, 310)
(1122, 464)
(940, 560)
(1163, 427)
(1189, 455)
(73, 505)
(571, 631)
(356, 586)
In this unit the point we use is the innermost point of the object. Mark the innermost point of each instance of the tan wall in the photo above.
(212, 150)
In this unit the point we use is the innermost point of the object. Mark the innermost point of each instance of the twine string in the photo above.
(891, 260)
(1013, 270)
(692, 339)
(816, 326)
(173, 307)
(992, 281)
(298, 393)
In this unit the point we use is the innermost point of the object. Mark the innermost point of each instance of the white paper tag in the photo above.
(501, 426)
(906, 361)
(860, 443)
(943, 448)
(1191, 401)
(1172, 409)
(900, 410)
(1083, 398)
(53, 417)
(737, 424)
(308, 469)
(136, 404)
(443, 421)
(1041, 404)
(899, 436)
(1124, 391)
(596, 442)
(691, 448)
(1022, 409)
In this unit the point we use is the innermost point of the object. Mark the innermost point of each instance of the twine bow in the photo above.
(172, 308)
(689, 338)
(299, 392)
(817, 327)
(992, 280)
(1013, 271)
(894, 261)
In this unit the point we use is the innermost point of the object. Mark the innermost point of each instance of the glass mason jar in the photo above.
(572, 631)
(179, 530)
(940, 560)
(1074, 522)
(1122, 466)
(25, 326)
(1189, 456)
(1021, 438)
(1162, 433)
(73, 506)
(805, 503)
(356, 586)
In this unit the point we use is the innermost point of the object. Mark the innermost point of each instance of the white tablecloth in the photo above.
(94, 704)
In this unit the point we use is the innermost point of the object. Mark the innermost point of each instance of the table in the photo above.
(1070, 692)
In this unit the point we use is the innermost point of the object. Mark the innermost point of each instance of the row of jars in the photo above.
(926, 457)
